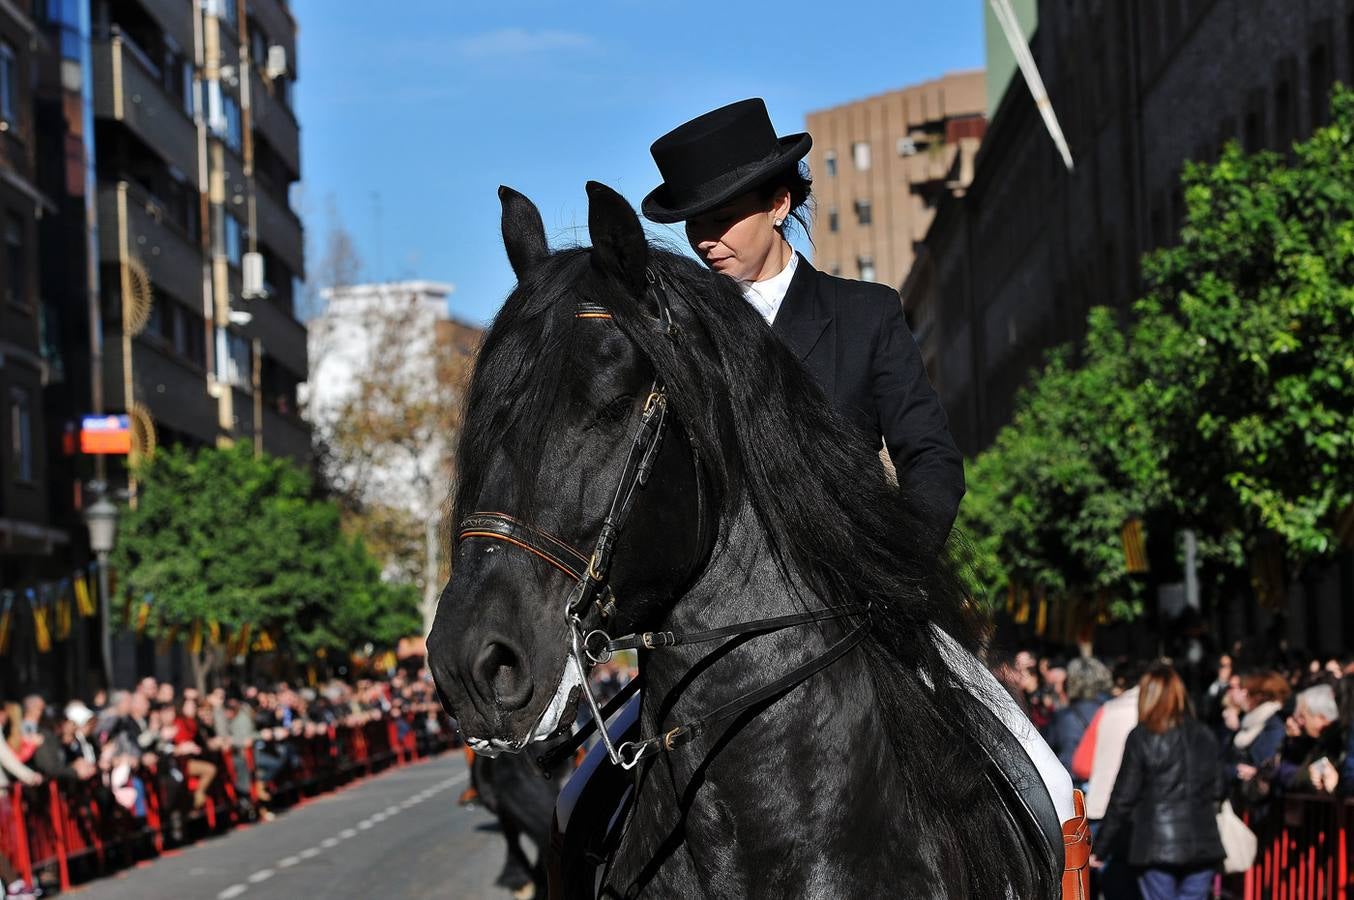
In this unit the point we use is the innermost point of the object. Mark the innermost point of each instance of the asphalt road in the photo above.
(398, 835)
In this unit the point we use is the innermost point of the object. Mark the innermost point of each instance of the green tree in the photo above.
(222, 535)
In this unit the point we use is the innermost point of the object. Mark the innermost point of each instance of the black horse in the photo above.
(512, 790)
(873, 766)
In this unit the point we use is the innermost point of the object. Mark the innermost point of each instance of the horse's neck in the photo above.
(745, 791)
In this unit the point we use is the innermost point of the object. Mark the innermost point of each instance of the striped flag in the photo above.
(83, 598)
(1135, 547)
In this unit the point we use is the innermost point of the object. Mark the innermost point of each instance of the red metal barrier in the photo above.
(44, 829)
(1303, 852)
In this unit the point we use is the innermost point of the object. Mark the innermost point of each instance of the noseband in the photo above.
(591, 591)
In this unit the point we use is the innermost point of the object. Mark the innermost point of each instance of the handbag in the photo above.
(1077, 852)
(1238, 841)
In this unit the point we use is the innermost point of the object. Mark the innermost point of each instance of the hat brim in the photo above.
(657, 206)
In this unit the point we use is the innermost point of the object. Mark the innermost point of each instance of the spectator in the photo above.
(11, 767)
(1252, 758)
(1088, 687)
(1315, 755)
(1168, 788)
(1111, 725)
(188, 750)
(48, 755)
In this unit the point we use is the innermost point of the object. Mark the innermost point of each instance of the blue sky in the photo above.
(431, 104)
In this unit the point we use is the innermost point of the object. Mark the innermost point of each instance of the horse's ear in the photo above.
(619, 247)
(523, 232)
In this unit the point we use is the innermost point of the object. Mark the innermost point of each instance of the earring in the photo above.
(778, 221)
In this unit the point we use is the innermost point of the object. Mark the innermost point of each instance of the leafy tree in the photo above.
(224, 536)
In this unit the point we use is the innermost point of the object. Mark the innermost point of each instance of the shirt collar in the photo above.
(766, 296)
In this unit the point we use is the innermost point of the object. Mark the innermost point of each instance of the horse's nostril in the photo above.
(501, 677)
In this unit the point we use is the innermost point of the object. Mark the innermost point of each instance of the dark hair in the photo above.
(796, 180)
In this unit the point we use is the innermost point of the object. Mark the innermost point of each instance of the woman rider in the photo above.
(736, 185)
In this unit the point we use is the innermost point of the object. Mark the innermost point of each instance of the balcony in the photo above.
(285, 435)
(279, 229)
(172, 390)
(176, 18)
(127, 89)
(283, 338)
(173, 261)
(277, 23)
(275, 122)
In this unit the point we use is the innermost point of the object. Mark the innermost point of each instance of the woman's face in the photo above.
(737, 238)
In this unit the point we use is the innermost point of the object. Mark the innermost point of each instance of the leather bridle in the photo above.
(591, 591)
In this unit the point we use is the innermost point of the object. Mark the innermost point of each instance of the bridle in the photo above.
(591, 591)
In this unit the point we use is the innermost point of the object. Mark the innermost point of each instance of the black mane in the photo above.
(767, 436)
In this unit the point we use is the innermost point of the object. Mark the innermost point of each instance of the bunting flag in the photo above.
(1022, 613)
(312, 677)
(1041, 617)
(63, 610)
(240, 644)
(41, 629)
(1135, 547)
(83, 598)
(168, 637)
(214, 628)
(195, 638)
(265, 643)
(6, 619)
(143, 613)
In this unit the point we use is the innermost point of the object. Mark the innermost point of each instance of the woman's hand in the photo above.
(1245, 772)
(1097, 862)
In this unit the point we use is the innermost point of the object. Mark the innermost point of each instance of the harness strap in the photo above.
(503, 527)
(655, 640)
(632, 752)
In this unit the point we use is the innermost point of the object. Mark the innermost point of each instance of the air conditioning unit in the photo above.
(252, 266)
(277, 61)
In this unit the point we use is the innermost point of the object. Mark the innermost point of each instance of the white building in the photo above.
(373, 349)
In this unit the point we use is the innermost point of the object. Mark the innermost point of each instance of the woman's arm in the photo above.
(1124, 797)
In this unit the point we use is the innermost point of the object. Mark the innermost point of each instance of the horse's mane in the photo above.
(768, 437)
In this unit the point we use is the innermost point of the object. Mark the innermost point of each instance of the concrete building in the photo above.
(383, 351)
(880, 166)
(148, 147)
(1011, 268)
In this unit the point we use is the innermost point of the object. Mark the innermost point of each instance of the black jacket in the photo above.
(1167, 792)
(853, 339)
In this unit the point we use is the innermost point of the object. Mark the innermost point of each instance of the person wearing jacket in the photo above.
(737, 185)
(1251, 759)
(1168, 790)
(1088, 684)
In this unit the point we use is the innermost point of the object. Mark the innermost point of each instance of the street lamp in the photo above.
(102, 518)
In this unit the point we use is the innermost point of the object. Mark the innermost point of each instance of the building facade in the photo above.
(880, 166)
(1011, 268)
(147, 148)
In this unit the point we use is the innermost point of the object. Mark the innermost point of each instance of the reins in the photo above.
(591, 592)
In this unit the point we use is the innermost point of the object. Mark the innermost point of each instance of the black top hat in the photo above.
(715, 157)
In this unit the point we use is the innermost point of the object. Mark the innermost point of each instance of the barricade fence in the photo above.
(1304, 850)
(69, 828)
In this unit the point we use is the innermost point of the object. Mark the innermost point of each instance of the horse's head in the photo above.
(558, 408)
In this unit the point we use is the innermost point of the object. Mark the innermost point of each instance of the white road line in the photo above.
(348, 833)
(364, 825)
(391, 810)
(288, 862)
(309, 853)
(232, 892)
(261, 875)
(329, 843)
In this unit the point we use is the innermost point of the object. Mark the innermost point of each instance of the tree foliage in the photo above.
(224, 536)
(1226, 406)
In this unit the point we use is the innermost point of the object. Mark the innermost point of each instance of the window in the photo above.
(16, 272)
(860, 155)
(232, 125)
(832, 222)
(9, 88)
(236, 360)
(234, 240)
(865, 264)
(188, 338)
(863, 212)
(186, 91)
(258, 47)
(226, 11)
(830, 160)
(21, 434)
(1319, 78)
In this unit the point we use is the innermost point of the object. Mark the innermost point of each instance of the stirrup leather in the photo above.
(1077, 852)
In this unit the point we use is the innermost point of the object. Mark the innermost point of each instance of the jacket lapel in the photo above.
(800, 321)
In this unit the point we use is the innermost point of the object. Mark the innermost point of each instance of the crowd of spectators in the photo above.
(1253, 734)
(126, 744)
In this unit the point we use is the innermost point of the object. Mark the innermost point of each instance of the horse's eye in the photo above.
(616, 410)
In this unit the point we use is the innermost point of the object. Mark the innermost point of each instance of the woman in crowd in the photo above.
(1252, 756)
(1088, 686)
(1167, 792)
(188, 748)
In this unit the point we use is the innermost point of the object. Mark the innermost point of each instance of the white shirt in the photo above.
(766, 296)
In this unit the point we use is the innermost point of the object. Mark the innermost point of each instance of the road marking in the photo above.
(329, 843)
(309, 853)
(261, 875)
(391, 810)
(364, 825)
(348, 833)
(232, 892)
(288, 862)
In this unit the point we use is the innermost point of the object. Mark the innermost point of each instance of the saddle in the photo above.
(595, 802)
